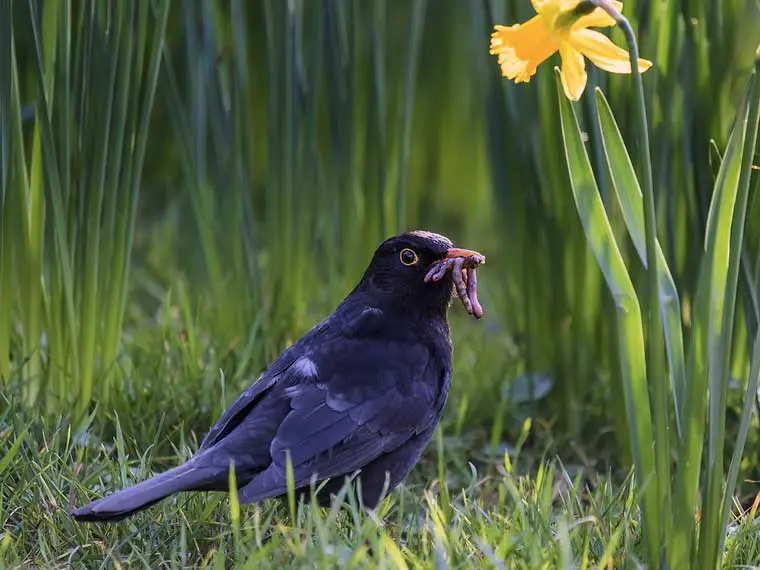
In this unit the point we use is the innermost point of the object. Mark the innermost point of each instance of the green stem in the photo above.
(653, 310)
(655, 365)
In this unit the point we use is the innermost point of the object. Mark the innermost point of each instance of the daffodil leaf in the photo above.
(730, 215)
(707, 362)
(602, 242)
(631, 202)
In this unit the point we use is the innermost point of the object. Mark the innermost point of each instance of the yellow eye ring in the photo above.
(408, 257)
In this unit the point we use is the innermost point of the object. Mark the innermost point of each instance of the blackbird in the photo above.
(360, 393)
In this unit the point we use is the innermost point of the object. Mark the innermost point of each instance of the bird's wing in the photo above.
(357, 400)
(246, 401)
(239, 409)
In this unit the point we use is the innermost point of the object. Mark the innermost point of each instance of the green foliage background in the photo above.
(283, 140)
(288, 138)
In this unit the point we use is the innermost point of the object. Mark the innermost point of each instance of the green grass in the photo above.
(527, 511)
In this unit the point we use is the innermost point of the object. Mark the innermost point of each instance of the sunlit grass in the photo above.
(74, 175)
(523, 510)
(505, 520)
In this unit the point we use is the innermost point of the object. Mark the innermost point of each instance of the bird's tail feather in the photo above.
(119, 505)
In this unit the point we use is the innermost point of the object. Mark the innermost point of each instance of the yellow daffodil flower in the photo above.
(558, 27)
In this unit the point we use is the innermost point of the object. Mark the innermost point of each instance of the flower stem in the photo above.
(656, 375)
(655, 361)
(655, 357)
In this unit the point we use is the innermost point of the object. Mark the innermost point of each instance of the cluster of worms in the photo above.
(463, 271)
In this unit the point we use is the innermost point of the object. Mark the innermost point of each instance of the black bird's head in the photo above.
(395, 277)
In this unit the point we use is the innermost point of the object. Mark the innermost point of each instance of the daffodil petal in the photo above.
(598, 18)
(538, 5)
(603, 53)
(573, 72)
(541, 6)
(522, 47)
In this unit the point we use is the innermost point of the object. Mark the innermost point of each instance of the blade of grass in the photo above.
(6, 282)
(63, 256)
(90, 52)
(103, 57)
(34, 215)
(6, 219)
(13, 451)
(141, 103)
(112, 246)
(416, 29)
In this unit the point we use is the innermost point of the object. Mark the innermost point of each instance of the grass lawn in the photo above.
(519, 506)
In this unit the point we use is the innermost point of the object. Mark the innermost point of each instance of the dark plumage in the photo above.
(363, 390)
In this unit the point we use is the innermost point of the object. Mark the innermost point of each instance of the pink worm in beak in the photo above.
(463, 264)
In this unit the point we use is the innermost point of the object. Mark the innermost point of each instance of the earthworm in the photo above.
(439, 269)
(472, 294)
(458, 273)
(463, 273)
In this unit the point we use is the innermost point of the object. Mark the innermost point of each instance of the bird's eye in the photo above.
(408, 257)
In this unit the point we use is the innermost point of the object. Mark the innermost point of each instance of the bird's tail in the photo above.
(119, 505)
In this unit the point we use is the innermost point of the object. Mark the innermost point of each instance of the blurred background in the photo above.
(187, 188)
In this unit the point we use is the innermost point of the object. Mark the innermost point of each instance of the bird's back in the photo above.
(362, 387)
